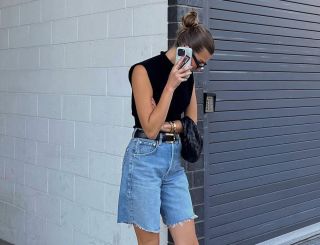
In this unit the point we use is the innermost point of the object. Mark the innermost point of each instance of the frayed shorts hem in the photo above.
(182, 221)
(137, 225)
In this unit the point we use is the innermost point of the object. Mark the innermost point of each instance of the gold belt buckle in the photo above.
(173, 137)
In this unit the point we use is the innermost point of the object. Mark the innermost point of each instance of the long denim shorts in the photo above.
(154, 183)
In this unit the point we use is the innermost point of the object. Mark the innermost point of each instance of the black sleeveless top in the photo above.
(158, 69)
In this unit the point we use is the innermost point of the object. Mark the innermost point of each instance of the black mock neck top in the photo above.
(158, 69)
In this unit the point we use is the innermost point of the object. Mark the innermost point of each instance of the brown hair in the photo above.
(193, 34)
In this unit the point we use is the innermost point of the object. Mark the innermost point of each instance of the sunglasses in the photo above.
(200, 66)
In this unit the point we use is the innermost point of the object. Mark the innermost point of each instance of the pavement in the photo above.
(314, 240)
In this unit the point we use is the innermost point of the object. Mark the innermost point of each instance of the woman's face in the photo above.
(200, 59)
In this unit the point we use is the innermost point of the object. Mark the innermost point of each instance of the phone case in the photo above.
(188, 56)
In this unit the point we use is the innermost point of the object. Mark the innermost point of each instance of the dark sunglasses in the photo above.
(200, 66)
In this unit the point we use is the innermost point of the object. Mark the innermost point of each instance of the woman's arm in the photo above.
(150, 117)
(190, 111)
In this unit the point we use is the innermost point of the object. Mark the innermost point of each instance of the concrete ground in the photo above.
(314, 240)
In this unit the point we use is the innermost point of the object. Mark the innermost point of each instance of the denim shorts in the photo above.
(154, 183)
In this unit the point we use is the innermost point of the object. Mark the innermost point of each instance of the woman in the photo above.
(153, 181)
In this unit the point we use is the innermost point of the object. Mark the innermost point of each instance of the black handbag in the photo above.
(191, 140)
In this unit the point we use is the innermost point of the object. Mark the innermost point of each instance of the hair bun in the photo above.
(190, 19)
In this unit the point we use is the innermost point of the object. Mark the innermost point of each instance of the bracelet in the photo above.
(171, 124)
(174, 127)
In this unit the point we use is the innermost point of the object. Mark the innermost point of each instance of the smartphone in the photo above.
(186, 54)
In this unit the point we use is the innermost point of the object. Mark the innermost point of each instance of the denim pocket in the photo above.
(145, 147)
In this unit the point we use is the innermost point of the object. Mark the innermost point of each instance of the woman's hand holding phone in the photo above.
(177, 75)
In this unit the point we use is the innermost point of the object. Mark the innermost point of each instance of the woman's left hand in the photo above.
(166, 127)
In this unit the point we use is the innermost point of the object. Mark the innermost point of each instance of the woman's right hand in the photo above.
(177, 76)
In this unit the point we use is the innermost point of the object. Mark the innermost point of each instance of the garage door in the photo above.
(262, 142)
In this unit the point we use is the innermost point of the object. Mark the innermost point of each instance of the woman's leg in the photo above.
(146, 237)
(184, 234)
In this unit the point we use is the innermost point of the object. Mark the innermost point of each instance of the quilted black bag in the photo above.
(192, 142)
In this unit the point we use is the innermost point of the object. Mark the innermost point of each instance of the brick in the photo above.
(35, 230)
(36, 177)
(101, 226)
(74, 160)
(6, 191)
(74, 216)
(64, 31)
(25, 150)
(89, 81)
(76, 107)
(40, 34)
(4, 38)
(48, 155)
(30, 12)
(92, 26)
(197, 195)
(49, 106)
(84, 239)
(9, 59)
(199, 210)
(61, 132)
(15, 218)
(52, 56)
(118, 82)
(37, 129)
(26, 104)
(190, 178)
(2, 124)
(198, 178)
(48, 206)
(29, 58)
(60, 184)
(155, 23)
(5, 77)
(2, 163)
(112, 194)
(196, 165)
(78, 54)
(10, 16)
(104, 167)
(117, 139)
(127, 118)
(133, 3)
(58, 234)
(6, 146)
(53, 9)
(89, 193)
(78, 7)
(16, 126)
(90, 136)
(18, 36)
(137, 49)
(159, 43)
(120, 23)
(107, 5)
(199, 229)
(115, 50)
(106, 110)
(14, 171)
(24, 197)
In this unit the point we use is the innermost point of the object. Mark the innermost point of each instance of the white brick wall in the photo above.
(65, 115)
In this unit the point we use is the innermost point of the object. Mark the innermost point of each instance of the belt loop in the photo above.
(134, 130)
(160, 138)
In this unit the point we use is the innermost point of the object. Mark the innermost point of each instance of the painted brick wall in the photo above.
(65, 115)
(194, 171)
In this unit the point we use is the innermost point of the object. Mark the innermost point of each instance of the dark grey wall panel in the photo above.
(262, 143)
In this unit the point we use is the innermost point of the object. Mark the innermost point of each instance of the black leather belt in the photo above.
(166, 137)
